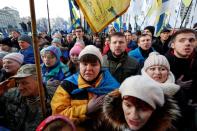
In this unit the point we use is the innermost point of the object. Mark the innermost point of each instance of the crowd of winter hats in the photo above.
(91, 49)
(149, 92)
(25, 38)
(18, 57)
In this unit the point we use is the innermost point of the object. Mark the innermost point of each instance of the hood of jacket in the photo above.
(161, 120)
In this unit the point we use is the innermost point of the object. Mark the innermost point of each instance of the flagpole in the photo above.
(37, 57)
(49, 23)
(185, 14)
(193, 14)
(177, 17)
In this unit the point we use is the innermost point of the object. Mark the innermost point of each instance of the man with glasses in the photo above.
(79, 32)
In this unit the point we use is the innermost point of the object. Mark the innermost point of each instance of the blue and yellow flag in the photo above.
(75, 20)
(164, 6)
(99, 13)
(118, 23)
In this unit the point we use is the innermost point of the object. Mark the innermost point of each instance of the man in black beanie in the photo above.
(150, 30)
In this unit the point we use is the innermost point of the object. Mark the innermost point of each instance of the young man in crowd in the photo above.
(144, 49)
(117, 60)
(183, 64)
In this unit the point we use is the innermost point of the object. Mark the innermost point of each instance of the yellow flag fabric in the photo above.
(187, 2)
(99, 13)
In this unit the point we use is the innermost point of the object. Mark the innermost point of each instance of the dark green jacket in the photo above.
(20, 114)
(121, 68)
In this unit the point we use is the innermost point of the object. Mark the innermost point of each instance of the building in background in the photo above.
(9, 19)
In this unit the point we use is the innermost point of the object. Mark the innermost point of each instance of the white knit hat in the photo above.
(91, 49)
(155, 58)
(18, 57)
(141, 88)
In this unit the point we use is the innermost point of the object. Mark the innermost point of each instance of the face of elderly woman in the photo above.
(89, 71)
(11, 66)
(49, 59)
(136, 112)
(158, 73)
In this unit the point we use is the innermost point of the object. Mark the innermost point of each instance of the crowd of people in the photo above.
(120, 81)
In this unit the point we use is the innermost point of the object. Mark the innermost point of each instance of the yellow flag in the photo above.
(99, 13)
(187, 2)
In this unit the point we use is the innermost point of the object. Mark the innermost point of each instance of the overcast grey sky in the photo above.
(57, 8)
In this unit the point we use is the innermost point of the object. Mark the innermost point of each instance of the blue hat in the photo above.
(55, 50)
(56, 40)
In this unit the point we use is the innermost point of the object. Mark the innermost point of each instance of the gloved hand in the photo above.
(95, 103)
(53, 83)
(184, 84)
(5, 85)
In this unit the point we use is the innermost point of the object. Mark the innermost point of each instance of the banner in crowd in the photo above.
(75, 20)
(99, 13)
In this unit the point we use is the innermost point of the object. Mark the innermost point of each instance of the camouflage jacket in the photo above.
(20, 113)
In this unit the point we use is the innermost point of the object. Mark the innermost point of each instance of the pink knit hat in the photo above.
(18, 57)
(76, 49)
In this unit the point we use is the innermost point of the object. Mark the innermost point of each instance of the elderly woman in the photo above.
(81, 94)
(139, 105)
(157, 69)
(11, 63)
(53, 70)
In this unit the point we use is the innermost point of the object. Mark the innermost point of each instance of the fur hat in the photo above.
(155, 58)
(76, 49)
(56, 40)
(151, 29)
(141, 88)
(91, 49)
(25, 38)
(18, 57)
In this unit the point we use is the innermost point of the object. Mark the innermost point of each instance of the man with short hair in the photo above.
(117, 60)
(183, 64)
(79, 31)
(144, 49)
(22, 105)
